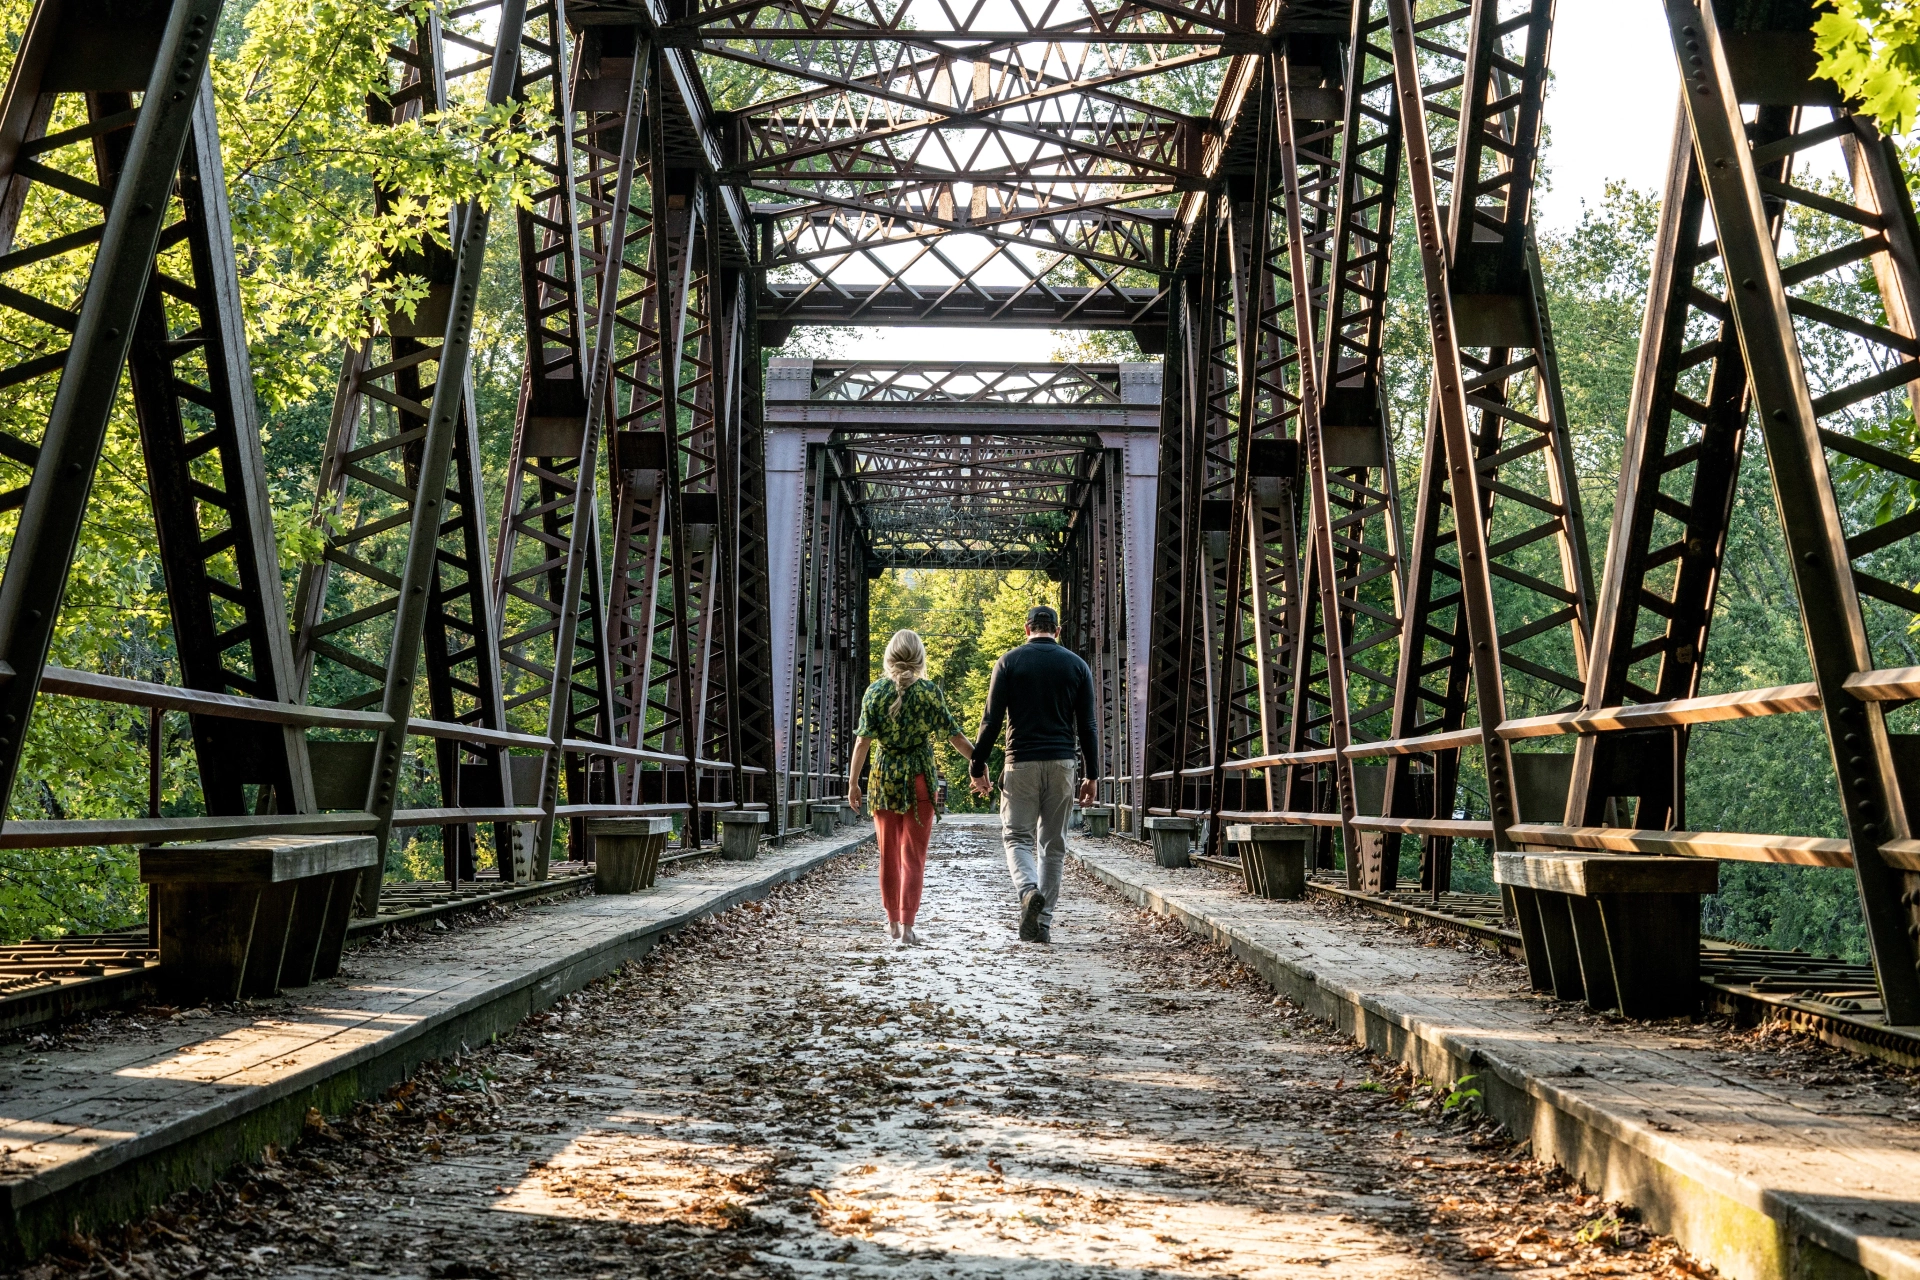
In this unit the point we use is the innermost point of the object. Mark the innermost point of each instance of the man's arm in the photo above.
(1089, 724)
(990, 722)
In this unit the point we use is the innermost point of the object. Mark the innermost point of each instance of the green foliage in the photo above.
(301, 165)
(1096, 346)
(1871, 49)
(1461, 1095)
(320, 264)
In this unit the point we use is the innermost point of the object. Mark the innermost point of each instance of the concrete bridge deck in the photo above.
(128, 1108)
(786, 1096)
(1768, 1156)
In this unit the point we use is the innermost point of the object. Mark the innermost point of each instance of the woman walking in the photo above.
(902, 712)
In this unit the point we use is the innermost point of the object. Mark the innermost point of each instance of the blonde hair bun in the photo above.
(905, 664)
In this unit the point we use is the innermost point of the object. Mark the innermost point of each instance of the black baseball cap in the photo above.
(1042, 618)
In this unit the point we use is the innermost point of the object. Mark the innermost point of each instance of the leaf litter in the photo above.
(778, 1093)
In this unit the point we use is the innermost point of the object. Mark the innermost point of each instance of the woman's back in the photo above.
(904, 723)
(922, 713)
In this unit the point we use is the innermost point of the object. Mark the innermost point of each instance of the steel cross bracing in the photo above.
(141, 186)
(401, 498)
(965, 465)
(672, 617)
(1362, 534)
(923, 169)
(1507, 402)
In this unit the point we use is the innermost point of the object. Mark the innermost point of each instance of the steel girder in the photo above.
(832, 631)
(958, 466)
(550, 587)
(1092, 615)
(1497, 442)
(677, 537)
(967, 465)
(193, 395)
(1334, 621)
(985, 501)
(968, 175)
(1679, 468)
(1176, 526)
(1339, 580)
(1813, 429)
(161, 299)
(1311, 232)
(1362, 538)
(401, 495)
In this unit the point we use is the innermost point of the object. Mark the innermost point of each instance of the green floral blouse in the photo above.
(904, 741)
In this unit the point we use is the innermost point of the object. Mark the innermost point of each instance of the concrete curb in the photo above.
(125, 1179)
(1744, 1229)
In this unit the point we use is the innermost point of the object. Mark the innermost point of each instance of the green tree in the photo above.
(292, 82)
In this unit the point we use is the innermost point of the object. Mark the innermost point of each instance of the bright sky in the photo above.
(1610, 114)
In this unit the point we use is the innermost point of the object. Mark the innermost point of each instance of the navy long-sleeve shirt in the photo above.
(1046, 690)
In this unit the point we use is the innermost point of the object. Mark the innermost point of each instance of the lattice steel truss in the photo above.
(671, 615)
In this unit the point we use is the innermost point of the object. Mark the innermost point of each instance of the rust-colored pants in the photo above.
(903, 854)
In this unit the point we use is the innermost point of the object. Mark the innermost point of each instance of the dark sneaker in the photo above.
(1030, 908)
(1046, 935)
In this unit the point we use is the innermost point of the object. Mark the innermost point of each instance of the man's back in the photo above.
(1048, 693)
(1046, 690)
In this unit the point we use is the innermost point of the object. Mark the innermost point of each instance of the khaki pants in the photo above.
(1036, 797)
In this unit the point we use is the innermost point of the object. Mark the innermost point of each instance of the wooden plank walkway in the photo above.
(99, 1128)
(1762, 1174)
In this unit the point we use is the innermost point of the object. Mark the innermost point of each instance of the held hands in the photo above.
(982, 787)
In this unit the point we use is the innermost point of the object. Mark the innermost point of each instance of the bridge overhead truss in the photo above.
(1288, 624)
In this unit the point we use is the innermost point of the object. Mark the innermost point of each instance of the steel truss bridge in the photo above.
(669, 616)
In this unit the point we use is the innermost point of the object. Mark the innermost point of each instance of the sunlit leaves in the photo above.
(303, 165)
(1871, 49)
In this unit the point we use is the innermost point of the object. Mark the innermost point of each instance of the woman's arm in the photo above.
(959, 743)
(859, 766)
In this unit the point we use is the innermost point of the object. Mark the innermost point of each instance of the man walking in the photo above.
(1047, 692)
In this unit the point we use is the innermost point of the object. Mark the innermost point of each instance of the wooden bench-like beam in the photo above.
(1727, 846)
(1450, 741)
(1321, 755)
(1279, 817)
(1654, 715)
(1458, 828)
(39, 833)
(1894, 684)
